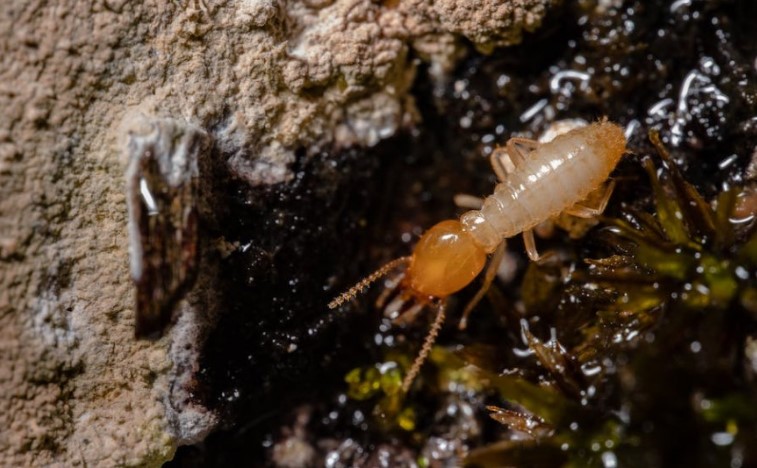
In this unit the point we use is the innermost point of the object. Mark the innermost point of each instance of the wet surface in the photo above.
(684, 68)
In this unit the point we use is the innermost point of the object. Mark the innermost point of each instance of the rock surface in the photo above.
(264, 78)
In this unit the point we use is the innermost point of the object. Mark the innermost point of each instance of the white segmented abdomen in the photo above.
(553, 177)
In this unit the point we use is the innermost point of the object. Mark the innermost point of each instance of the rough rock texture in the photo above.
(264, 78)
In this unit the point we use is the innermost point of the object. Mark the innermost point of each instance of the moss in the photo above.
(381, 384)
(652, 370)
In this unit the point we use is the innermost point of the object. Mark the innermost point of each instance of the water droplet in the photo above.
(609, 460)
(722, 438)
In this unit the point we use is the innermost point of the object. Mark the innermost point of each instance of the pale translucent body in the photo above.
(551, 178)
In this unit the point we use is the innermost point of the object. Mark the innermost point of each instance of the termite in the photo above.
(548, 179)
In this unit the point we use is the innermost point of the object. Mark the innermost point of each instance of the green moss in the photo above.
(381, 385)
(645, 365)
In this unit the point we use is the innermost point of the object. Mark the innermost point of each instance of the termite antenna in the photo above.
(427, 344)
(365, 282)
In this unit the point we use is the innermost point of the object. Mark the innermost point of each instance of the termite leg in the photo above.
(609, 188)
(497, 160)
(515, 151)
(390, 287)
(530, 244)
(409, 315)
(489, 274)
(441, 311)
(393, 309)
(470, 202)
(580, 211)
(583, 211)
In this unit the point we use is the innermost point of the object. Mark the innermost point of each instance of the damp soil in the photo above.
(274, 367)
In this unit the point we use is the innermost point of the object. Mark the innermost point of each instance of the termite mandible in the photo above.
(549, 179)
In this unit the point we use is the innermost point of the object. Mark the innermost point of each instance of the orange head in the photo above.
(445, 260)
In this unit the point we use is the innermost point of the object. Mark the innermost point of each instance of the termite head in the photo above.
(444, 261)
